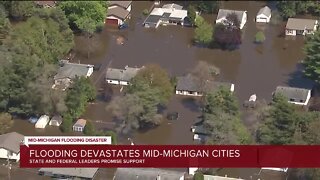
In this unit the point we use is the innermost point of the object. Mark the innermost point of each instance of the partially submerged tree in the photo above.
(227, 37)
(260, 37)
(203, 33)
(192, 14)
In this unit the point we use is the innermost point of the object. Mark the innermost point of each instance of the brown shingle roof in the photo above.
(124, 4)
(118, 12)
(81, 122)
(11, 141)
(301, 24)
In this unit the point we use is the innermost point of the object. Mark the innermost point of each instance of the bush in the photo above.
(260, 37)
(145, 12)
(198, 176)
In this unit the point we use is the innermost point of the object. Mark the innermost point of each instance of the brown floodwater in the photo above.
(254, 69)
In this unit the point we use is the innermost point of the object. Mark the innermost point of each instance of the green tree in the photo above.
(279, 125)
(260, 37)
(199, 21)
(67, 123)
(198, 176)
(5, 122)
(192, 14)
(227, 37)
(312, 49)
(156, 78)
(204, 33)
(222, 119)
(81, 92)
(89, 129)
(108, 133)
(95, 11)
(289, 9)
(5, 26)
(21, 10)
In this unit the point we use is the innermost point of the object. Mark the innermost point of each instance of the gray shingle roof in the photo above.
(118, 12)
(57, 118)
(146, 174)
(152, 19)
(125, 74)
(265, 10)
(190, 83)
(296, 94)
(73, 172)
(301, 24)
(200, 130)
(224, 12)
(11, 141)
(71, 70)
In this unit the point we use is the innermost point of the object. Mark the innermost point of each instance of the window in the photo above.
(291, 99)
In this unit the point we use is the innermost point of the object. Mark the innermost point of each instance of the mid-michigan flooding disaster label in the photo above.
(97, 151)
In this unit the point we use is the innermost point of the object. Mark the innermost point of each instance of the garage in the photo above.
(112, 21)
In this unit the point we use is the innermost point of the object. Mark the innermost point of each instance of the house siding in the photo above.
(4, 155)
(261, 18)
(117, 82)
(242, 23)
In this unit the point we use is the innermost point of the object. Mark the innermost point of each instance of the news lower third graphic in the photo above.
(97, 151)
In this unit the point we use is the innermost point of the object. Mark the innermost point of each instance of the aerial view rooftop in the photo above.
(159, 73)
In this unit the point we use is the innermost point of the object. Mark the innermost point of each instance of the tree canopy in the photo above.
(203, 31)
(289, 9)
(84, 15)
(192, 14)
(20, 10)
(222, 120)
(311, 62)
(6, 122)
(207, 6)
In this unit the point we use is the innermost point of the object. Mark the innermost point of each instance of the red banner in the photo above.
(169, 156)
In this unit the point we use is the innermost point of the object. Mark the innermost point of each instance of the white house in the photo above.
(56, 121)
(42, 122)
(10, 146)
(297, 26)
(79, 125)
(68, 71)
(264, 15)
(190, 86)
(121, 76)
(169, 14)
(223, 13)
(118, 12)
(298, 96)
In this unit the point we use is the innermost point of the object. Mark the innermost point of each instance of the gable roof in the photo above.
(265, 11)
(124, 4)
(57, 118)
(301, 24)
(190, 83)
(125, 74)
(73, 172)
(293, 93)
(71, 70)
(146, 174)
(222, 14)
(81, 122)
(11, 141)
(118, 12)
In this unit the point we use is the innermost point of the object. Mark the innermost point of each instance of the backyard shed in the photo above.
(79, 125)
(298, 96)
(55, 121)
(264, 15)
(42, 122)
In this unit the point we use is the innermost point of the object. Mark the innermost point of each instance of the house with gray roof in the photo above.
(298, 96)
(190, 86)
(68, 71)
(169, 14)
(297, 26)
(118, 12)
(264, 15)
(223, 13)
(68, 173)
(147, 174)
(10, 146)
(121, 76)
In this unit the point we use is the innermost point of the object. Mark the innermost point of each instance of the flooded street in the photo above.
(254, 69)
